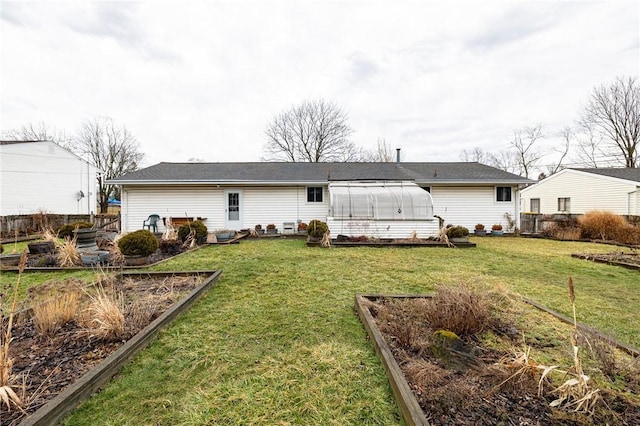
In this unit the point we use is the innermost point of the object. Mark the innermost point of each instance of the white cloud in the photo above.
(201, 79)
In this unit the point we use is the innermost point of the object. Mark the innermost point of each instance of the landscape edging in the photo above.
(65, 402)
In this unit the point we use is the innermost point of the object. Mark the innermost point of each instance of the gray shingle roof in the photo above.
(285, 173)
(620, 173)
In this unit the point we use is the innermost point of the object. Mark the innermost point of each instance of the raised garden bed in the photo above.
(626, 260)
(480, 382)
(390, 242)
(64, 368)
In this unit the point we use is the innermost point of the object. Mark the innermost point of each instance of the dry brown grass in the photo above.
(602, 224)
(7, 381)
(629, 234)
(49, 314)
(68, 254)
(459, 309)
(104, 317)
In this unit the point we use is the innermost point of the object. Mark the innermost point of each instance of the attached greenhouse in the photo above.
(381, 210)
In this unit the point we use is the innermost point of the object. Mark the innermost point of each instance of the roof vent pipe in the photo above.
(397, 157)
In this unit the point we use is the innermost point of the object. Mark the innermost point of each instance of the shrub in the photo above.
(496, 227)
(460, 309)
(601, 224)
(479, 227)
(457, 232)
(629, 234)
(67, 230)
(317, 228)
(197, 225)
(138, 243)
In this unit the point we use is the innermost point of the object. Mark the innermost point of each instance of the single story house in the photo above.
(380, 197)
(42, 176)
(577, 191)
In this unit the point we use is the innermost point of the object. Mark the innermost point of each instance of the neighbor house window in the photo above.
(314, 194)
(503, 193)
(534, 205)
(564, 204)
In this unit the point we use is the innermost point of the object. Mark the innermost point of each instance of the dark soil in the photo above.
(51, 363)
(489, 390)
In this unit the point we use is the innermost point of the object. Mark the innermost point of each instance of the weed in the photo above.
(459, 309)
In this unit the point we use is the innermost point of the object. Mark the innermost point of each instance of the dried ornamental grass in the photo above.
(602, 224)
(68, 254)
(7, 394)
(105, 314)
(50, 314)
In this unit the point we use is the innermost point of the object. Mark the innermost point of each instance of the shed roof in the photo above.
(309, 173)
(632, 174)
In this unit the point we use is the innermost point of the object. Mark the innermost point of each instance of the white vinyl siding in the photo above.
(467, 206)
(259, 205)
(587, 191)
(43, 176)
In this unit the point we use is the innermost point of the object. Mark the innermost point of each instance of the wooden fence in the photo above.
(532, 223)
(34, 223)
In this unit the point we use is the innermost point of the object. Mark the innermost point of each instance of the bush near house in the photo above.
(67, 230)
(317, 228)
(601, 224)
(138, 243)
(197, 225)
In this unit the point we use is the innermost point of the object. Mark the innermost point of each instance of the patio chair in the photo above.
(151, 223)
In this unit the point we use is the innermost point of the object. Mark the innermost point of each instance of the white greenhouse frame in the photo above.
(381, 209)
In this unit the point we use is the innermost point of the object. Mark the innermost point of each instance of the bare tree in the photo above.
(526, 153)
(567, 134)
(383, 153)
(37, 132)
(314, 131)
(613, 112)
(113, 150)
(476, 154)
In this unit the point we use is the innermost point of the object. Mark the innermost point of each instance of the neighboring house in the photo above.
(42, 176)
(577, 191)
(241, 195)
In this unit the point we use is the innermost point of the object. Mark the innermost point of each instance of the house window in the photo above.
(534, 205)
(564, 204)
(314, 194)
(503, 193)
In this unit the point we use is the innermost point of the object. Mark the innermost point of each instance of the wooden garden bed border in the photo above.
(410, 409)
(65, 402)
(594, 258)
(391, 244)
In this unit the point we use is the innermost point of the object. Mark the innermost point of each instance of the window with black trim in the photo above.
(314, 194)
(564, 204)
(503, 193)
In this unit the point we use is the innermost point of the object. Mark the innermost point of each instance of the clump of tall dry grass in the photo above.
(459, 309)
(49, 314)
(602, 224)
(68, 254)
(7, 395)
(105, 313)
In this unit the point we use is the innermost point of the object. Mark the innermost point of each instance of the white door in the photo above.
(233, 209)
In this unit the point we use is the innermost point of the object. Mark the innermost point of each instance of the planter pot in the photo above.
(480, 232)
(459, 240)
(10, 259)
(497, 233)
(86, 239)
(41, 247)
(99, 257)
(223, 236)
(272, 231)
(136, 260)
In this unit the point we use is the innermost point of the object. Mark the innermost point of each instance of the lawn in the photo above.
(276, 341)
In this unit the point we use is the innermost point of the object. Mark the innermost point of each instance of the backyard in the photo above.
(276, 341)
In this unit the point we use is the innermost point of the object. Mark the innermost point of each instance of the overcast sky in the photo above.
(204, 78)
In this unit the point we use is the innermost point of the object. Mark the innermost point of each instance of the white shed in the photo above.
(42, 176)
(577, 191)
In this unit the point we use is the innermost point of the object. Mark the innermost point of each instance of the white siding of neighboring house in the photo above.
(470, 205)
(587, 191)
(43, 176)
(260, 205)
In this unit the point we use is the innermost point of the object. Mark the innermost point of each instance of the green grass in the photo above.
(276, 341)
